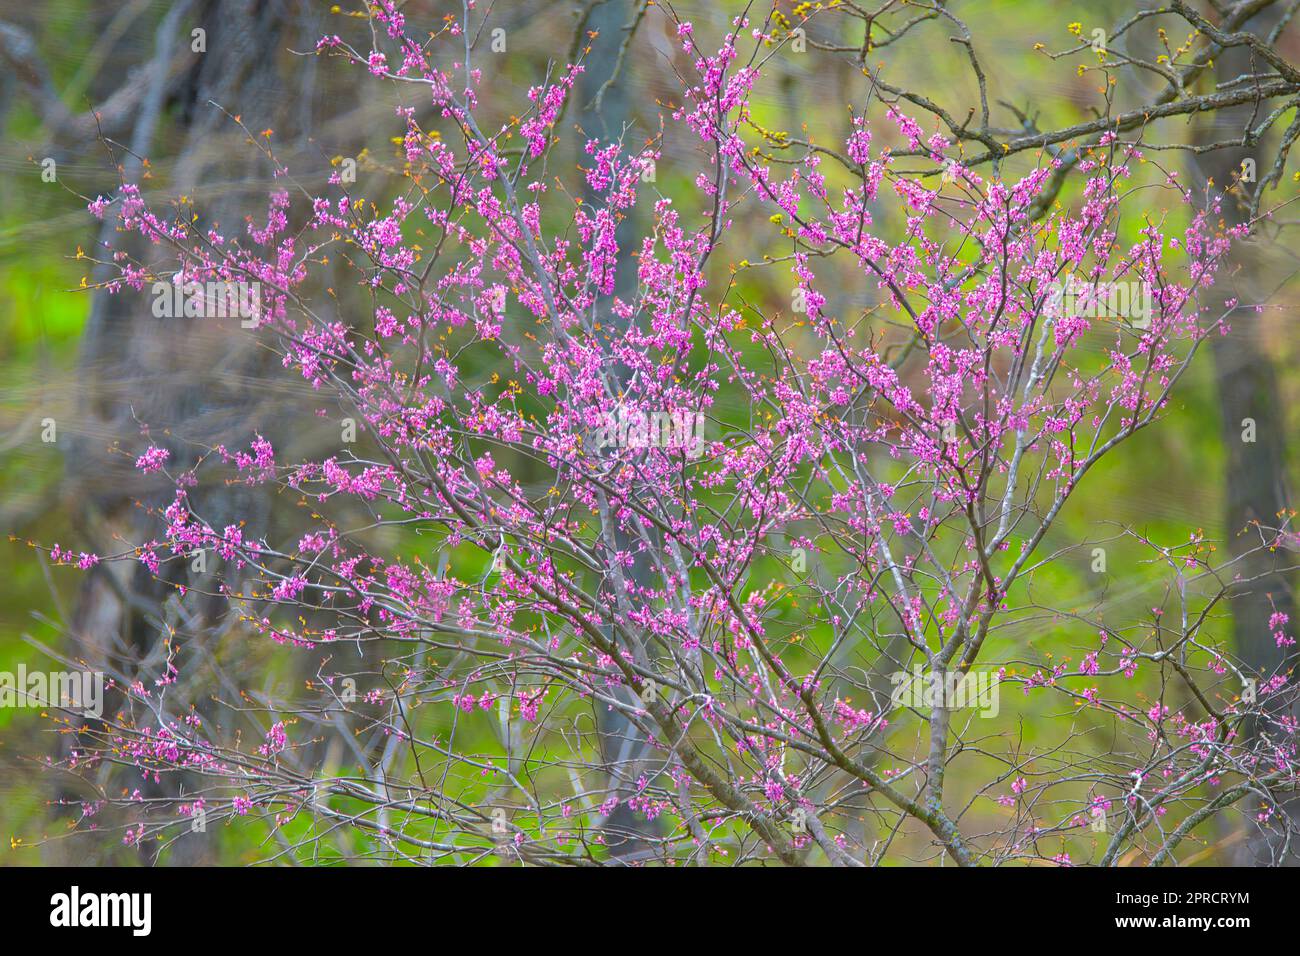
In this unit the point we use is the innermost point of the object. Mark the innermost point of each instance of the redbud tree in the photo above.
(679, 576)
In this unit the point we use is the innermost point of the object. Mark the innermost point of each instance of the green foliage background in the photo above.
(1165, 485)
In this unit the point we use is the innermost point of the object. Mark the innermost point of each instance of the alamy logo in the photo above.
(134, 910)
(1102, 300)
(209, 300)
(951, 690)
(74, 690)
(675, 431)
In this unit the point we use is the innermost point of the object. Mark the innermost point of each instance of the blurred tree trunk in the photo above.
(1255, 479)
(605, 115)
(193, 382)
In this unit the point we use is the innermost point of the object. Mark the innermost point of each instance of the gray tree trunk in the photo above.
(194, 382)
(1255, 478)
(623, 746)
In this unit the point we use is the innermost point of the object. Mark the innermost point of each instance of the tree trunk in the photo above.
(1255, 478)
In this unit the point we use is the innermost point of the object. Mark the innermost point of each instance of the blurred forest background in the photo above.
(99, 366)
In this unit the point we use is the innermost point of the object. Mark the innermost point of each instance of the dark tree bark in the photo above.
(194, 382)
(1255, 477)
